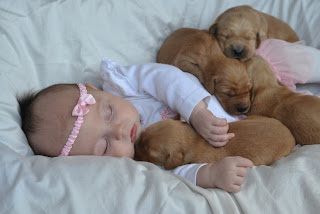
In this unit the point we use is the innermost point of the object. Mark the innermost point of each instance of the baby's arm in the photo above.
(179, 90)
(227, 174)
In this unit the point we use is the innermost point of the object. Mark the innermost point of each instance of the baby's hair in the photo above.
(29, 119)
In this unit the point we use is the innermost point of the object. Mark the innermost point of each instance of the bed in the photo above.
(63, 41)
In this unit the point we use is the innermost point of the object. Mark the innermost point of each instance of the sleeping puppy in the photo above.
(198, 53)
(240, 30)
(300, 113)
(172, 143)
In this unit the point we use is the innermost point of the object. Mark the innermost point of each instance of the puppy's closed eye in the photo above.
(250, 36)
(228, 94)
(223, 37)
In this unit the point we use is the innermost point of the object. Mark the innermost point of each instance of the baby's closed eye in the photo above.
(106, 146)
(108, 113)
(101, 147)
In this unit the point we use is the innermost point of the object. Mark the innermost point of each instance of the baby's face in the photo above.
(110, 128)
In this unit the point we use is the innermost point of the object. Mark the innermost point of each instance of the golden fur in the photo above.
(300, 113)
(240, 30)
(172, 143)
(198, 53)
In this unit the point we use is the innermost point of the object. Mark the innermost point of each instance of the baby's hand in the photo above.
(227, 174)
(211, 128)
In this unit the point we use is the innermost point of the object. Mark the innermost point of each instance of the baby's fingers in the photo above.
(235, 189)
(219, 130)
(244, 162)
(219, 121)
(238, 180)
(220, 140)
(217, 144)
(242, 171)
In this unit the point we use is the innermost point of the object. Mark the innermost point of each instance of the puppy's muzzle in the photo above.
(239, 51)
(242, 109)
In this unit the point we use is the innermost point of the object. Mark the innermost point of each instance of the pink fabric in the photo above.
(168, 113)
(79, 110)
(290, 62)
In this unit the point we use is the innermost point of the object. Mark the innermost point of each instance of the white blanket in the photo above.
(53, 41)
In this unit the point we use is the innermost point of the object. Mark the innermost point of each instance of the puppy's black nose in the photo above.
(242, 109)
(237, 52)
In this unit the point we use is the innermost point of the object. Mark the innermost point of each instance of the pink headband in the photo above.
(79, 110)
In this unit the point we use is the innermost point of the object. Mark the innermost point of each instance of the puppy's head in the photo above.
(238, 31)
(232, 87)
(162, 143)
(261, 74)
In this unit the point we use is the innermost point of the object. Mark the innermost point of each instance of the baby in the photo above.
(76, 119)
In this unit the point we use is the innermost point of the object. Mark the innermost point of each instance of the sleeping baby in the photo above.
(77, 119)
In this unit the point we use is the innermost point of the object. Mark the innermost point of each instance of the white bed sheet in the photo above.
(50, 41)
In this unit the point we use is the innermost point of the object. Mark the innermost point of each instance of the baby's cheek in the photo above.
(100, 147)
(122, 150)
(130, 152)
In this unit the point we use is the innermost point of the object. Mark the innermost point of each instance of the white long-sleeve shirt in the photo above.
(159, 91)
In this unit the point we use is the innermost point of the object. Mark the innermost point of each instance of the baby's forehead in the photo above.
(55, 123)
(62, 97)
(57, 105)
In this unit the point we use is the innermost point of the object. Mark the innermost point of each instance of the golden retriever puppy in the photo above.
(198, 53)
(300, 113)
(172, 143)
(240, 30)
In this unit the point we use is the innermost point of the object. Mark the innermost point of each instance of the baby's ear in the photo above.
(90, 86)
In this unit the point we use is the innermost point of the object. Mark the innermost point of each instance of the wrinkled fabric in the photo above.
(56, 41)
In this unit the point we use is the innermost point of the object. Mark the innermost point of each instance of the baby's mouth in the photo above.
(133, 133)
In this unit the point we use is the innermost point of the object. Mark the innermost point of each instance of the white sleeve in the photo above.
(188, 171)
(179, 90)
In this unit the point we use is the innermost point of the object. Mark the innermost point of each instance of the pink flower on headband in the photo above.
(81, 108)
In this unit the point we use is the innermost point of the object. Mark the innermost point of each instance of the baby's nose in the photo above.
(118, 131)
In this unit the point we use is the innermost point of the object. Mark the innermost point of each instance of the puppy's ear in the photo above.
(263, 31)
(252, 94)
(189, 64)
(210, 85)
(258, 40)
(261, 35)
(249, 67)
(174, 160)
(213, 29)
